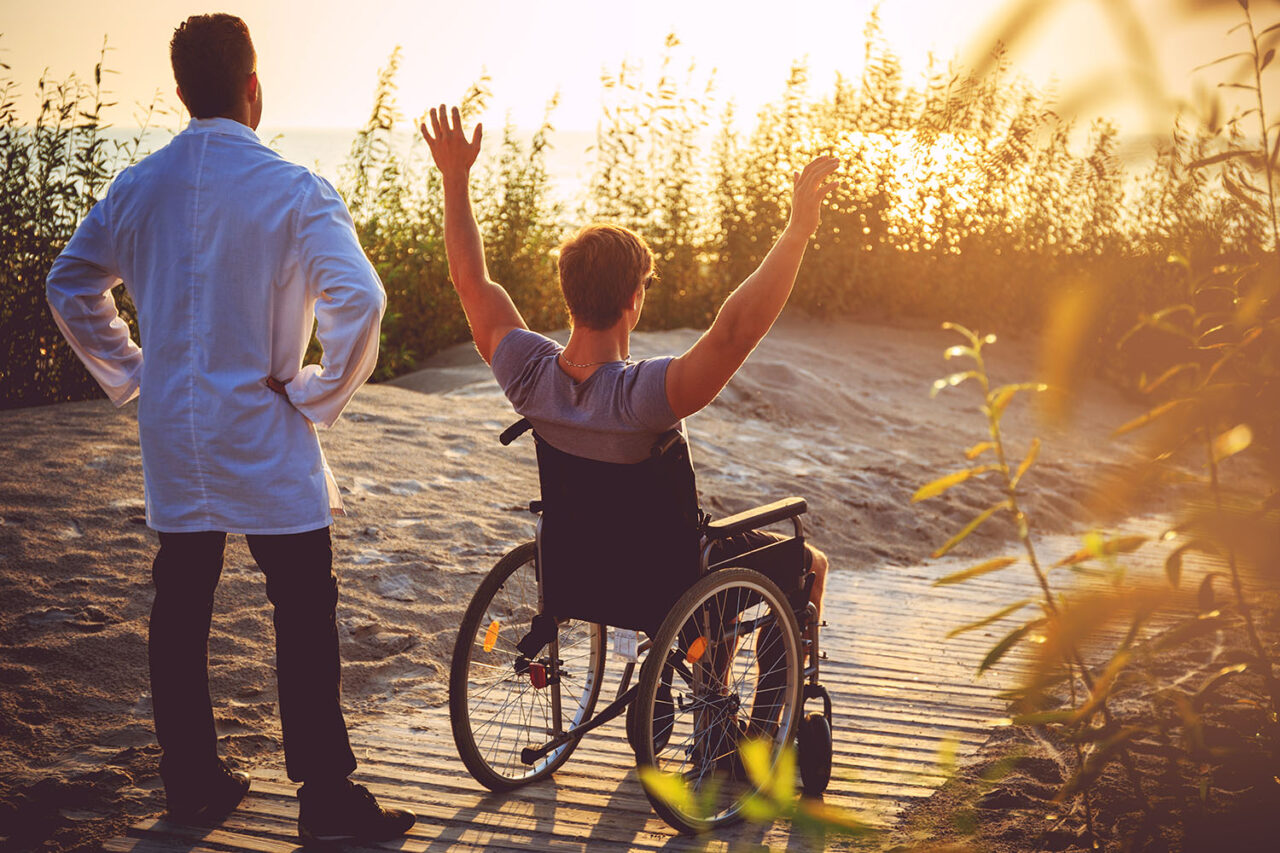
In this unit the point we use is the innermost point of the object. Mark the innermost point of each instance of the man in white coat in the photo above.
(229, 252)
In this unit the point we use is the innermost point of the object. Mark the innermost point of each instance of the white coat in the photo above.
(230, 254)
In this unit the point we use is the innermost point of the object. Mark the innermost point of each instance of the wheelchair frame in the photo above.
(645, 733)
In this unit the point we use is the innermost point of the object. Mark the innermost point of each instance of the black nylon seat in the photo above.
(618, 543)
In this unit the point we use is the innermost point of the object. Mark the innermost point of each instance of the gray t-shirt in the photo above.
(614, 415)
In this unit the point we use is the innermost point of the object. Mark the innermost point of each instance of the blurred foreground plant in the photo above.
(776, 797)
(1103, 637)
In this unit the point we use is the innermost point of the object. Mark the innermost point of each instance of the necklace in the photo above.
(626, 358)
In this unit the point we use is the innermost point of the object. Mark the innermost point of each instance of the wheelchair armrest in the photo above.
(761, 516)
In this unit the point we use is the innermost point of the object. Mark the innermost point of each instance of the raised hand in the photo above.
(810, 187)
(452, 153)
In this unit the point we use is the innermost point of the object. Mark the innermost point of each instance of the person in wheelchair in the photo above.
(588, 398)
(595, 410)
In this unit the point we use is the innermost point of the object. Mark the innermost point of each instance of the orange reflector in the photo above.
(697, 649)
(491, 636)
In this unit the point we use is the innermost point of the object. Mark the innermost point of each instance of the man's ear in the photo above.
(251, 86)
(178, 89)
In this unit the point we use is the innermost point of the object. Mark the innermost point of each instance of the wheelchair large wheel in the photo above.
(494, 709)
(734, 646)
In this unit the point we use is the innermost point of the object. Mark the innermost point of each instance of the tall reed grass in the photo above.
(51, 173)
(964, 197)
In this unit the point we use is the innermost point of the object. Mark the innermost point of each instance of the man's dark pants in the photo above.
(302, 588)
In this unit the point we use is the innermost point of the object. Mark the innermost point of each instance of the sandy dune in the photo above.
(838, 413)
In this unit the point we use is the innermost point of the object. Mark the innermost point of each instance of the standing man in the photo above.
(228, 252)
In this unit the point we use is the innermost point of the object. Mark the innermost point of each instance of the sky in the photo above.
(318, 60)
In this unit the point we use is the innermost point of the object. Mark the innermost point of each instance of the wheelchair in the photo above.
(730, 649)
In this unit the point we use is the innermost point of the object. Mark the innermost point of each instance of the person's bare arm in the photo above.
(695, 378)
(489, 309)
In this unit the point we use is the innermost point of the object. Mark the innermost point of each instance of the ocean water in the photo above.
(569, 160)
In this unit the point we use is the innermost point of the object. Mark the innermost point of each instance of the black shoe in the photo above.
(208, 799)
(347, 812)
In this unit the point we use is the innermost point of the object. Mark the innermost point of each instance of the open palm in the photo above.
(452, 152)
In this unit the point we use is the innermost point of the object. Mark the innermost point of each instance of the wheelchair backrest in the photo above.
(617, 543)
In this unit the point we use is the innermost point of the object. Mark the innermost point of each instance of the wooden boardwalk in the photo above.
(900, 690)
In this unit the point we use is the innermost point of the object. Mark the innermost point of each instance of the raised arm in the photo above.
(489, 309)
(695, 378)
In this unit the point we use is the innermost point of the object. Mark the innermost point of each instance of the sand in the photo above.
(837, 412)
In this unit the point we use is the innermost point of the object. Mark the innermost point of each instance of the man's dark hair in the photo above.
(211, 55)
(600, 268)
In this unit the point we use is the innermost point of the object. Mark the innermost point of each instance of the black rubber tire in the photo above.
(664, 731)
(730, 585)
(815, 747)
(481, 761)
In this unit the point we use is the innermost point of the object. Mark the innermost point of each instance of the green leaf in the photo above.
(978, 449)
(1205, 623)
(1102, 685)
(1239, 194)
(994, 617)
(969, 528)
(1221, 156)
(1011, 639)
(946, 761)
(1198, 698)
(760, 809)
(1000, 397)
(1205, 598)
(1103, 548)
(976, 571)
(755, 760)
(1221, 59)
(1027, 462)
(1148, 387)
(941, 484)
(671, 788)
(952, 381)
(1173, 565)
(1149, 416)
(1097, 762)
(956, 327)
(1231, 442)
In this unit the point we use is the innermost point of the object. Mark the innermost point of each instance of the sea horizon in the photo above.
(324, 150)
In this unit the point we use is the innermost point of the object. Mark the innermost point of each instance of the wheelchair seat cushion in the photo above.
(782, 559)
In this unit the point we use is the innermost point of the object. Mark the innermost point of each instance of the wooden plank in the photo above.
(895, 703)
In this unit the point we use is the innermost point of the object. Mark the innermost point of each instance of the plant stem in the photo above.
(1237, 586)
(1266, 136)
(1072, 654)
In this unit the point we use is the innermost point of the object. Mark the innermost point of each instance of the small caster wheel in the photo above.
(814, 745)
